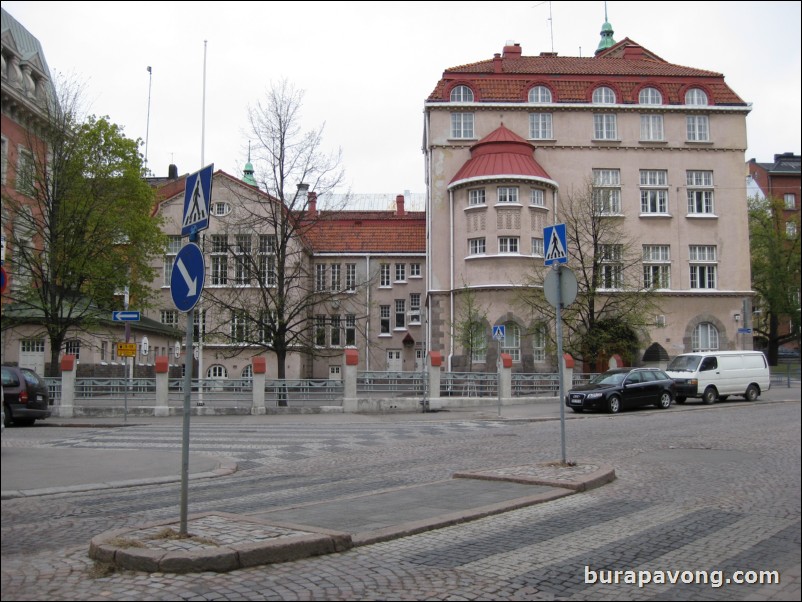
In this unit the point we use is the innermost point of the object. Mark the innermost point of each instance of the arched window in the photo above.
(695, 96)
(705, 337)
(539, 94)
(462, 94)
(650, 96)
(512, 341)
(217, 371)
(603, 96)
(247, 372)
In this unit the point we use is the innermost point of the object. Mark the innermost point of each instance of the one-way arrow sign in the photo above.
(186, 282)
(125, 316)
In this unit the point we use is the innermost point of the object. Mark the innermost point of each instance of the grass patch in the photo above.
(170, 533)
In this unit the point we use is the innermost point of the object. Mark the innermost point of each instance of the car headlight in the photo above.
(594, 395)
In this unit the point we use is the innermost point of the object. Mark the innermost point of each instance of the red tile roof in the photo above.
(627, 66)
(501, 153)
(368, 232)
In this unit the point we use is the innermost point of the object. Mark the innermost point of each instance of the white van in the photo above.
(714, 375)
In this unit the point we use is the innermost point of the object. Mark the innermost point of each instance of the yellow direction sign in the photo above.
(126, 349)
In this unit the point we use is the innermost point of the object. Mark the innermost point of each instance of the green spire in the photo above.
(607, 40)
(247, 173)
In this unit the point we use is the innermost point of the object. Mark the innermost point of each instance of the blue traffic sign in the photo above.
(197, 197)
(125, 316)
(189, 272)
(556, 244)
(499, 332)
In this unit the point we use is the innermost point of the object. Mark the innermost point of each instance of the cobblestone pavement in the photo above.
(706, 491)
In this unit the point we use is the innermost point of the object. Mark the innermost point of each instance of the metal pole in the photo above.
(185, 433)
(560, 360)
(126, 369)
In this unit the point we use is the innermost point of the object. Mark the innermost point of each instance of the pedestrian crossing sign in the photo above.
(197, 197)
(556, 247)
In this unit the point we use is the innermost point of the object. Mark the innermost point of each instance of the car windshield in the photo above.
(609, 378)
(684, 362)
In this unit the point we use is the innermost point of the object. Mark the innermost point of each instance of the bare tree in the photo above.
(274, 225)
(80, 224)
(470, 326)
(615, 300)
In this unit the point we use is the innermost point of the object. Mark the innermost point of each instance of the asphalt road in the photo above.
(704, 490)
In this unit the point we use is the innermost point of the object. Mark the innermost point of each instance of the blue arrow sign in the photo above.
(197, 196)
(189, 273)
(125, 316)
(554, 240)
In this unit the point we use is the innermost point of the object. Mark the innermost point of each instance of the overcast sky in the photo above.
(367, 67)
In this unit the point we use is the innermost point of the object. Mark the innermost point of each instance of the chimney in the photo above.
(399, 205)
(172, 172)
(497, 63)
(512, 50)
(311, 210)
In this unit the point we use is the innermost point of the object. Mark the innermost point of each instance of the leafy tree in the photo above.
(613, 307)
(82, 228)
(279, 311)
(775, 259)
(470, 326)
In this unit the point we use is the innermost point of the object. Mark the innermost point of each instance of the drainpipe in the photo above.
(451, 277)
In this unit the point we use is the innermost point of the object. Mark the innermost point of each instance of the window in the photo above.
(478, 342)
(603, 96)
(507, 194)
(700, 192)
(476, 196)
(512, 341)
(414, 308)
(169, 317)
(73, 347)
(219, 243)
(539, 95)
(539, 343)
(607, 191)
(267, 259)
(217, 371)
(239, 326)
(540, 126)
(476, 246)
(350, 330)
(384, 319)
(400, 272)
(703, 266)
(199, 324)
(651, 128)
(611, 266)
(704, 337)
(266, 325)
(400, 313)
(462, 125)
(320, 331)
(508, 244)
(220, 209)
(24, 179)
(696, 97)
(656, 266)
(790, 229)
(654, 191)
(320, 277)
(384, 278)
(537, 247)
(414, 270)
(650, 96)
(789, 200)
(242, 260)
(461, 94)
(537, 197)
(173, 246)
(350, 277)
(335, 332)
(336, 281)
(604, 126)
(698, 130)
(219, 248)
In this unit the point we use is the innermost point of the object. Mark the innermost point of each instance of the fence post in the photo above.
(568, 374)
(162, 386)
(350, 364)
(259, 374)
(67, 405)
(505, 382)
(435, 363)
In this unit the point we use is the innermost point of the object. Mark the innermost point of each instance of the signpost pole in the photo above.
(185, 432)
(127, 340)
(561, 393)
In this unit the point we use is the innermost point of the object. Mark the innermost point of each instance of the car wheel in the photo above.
(665, 401)
(614, 404)
(680, 399)
(710, 395)
(577, 410)
(752, 393)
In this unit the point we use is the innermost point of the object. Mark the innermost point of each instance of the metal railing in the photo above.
(397, 384)
(469, 384)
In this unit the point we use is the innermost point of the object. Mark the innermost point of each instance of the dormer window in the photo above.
(220, 209)
(603, 96)
(462, 94)
(696, 97)
(540, 95)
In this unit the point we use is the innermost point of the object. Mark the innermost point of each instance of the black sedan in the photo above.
(623, 388)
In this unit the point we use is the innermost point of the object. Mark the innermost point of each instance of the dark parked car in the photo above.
(623, 388)
(25, 396)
